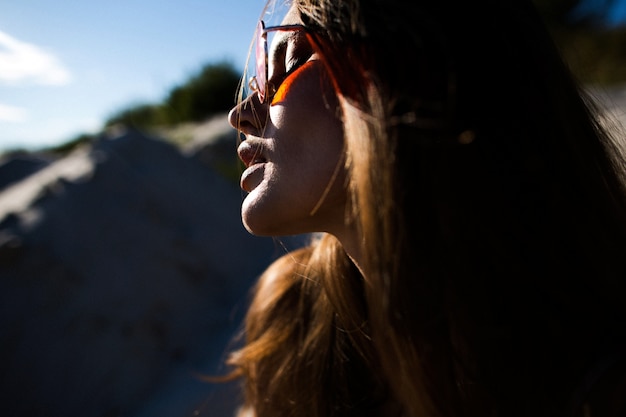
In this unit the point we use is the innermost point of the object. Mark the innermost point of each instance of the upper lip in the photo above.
(250, 153)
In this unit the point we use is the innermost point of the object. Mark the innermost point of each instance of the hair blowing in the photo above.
(492, 209)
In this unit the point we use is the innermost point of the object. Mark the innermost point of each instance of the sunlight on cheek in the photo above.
(285, 86)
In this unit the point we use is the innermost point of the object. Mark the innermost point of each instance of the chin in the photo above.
(277, 215)
(270, 224)
(259, 222)
(258, 228)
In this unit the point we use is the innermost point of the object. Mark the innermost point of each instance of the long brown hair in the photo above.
(491, 206)
(300, 358)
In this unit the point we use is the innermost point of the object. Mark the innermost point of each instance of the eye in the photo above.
(289, 51)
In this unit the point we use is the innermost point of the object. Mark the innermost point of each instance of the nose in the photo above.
(248, 116)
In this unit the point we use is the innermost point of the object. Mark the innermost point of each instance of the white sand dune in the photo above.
(124, 271)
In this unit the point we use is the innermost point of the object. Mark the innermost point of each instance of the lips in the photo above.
(250, 153)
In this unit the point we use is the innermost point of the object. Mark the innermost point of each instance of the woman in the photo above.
(472, 215)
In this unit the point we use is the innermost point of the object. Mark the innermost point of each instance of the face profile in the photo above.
(293, 151)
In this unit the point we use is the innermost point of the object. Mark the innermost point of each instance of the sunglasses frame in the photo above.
(259, 83)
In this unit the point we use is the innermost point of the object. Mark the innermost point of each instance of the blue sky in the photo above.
(66, 66)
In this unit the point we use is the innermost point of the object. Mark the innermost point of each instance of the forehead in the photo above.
(292, 17)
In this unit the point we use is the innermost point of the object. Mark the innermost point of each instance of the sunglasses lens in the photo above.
(261, 61)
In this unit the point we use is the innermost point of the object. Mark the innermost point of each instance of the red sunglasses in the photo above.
(259, 83)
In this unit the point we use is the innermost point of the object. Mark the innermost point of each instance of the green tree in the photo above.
(140, 116)
(209, 92)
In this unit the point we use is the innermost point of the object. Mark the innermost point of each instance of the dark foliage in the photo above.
(209, 92)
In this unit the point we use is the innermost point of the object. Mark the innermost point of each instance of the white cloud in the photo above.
(22, 62)
(12, 114)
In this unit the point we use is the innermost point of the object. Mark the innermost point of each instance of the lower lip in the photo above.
(251, 177)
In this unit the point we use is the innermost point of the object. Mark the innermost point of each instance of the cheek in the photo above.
(293, 79)
(305, 112)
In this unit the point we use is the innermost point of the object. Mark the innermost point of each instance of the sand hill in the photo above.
(124, 271)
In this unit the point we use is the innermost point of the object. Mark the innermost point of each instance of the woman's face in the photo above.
(293, 151)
